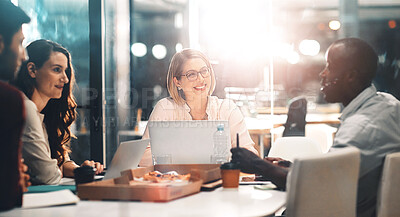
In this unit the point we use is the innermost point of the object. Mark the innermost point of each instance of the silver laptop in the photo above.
(127, 156)
(184, 142)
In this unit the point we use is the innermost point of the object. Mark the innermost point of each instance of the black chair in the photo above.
(296, 121)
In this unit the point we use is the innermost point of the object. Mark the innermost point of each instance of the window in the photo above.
(67, 23)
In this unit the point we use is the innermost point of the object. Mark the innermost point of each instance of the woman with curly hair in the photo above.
(47, 79)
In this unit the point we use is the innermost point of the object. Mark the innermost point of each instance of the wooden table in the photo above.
(262, 125)
(244, 201)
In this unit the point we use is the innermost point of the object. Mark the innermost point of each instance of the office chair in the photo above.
(324, 185)
(296, 117)
(323, 134)
(289, 148)
(389, 191)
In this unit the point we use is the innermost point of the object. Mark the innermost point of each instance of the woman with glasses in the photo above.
(190, 83)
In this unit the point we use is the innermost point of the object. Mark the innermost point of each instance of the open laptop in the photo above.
(127, 156)
(184, 142)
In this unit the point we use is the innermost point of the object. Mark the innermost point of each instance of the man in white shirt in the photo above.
(370, 120)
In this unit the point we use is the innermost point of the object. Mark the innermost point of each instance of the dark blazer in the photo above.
(12, 119)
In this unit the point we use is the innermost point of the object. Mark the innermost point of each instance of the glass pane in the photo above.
(66, 22)
(258, 44)
(118, 106)
(154, 27)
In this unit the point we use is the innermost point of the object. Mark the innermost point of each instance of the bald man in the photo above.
(370, 120)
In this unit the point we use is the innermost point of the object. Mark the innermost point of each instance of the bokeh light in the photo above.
(178, 47)
(309, 47)
(392, 24)
(334, 24)
(293, 57)
(159, 51)
(139, 49)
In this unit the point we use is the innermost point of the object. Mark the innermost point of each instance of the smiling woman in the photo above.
(50, 78)
(47, 79)
(190, 83)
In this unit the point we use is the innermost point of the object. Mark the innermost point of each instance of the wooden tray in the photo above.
(206, 172)
(120, 189)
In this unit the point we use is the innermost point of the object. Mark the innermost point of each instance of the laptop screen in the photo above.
(127, 156)
(184, 142)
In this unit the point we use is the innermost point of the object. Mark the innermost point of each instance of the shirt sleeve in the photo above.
(158, 113)
(372, 139)
(36, 150)
(238, 125)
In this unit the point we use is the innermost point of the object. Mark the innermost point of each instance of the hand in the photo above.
(23, 176)
(261, 178)
(245, 158)
(279, 161)
(98, 166)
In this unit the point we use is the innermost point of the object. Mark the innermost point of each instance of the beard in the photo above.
(8, 64)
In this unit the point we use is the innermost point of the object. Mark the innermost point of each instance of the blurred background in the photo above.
(264, 53)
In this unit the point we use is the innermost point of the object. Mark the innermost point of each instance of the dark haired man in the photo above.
(14, 181)
(370, 120)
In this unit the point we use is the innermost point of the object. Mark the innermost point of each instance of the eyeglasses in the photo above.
(192, 75)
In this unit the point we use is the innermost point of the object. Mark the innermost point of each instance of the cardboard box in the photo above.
(121, 189)
(206, 172)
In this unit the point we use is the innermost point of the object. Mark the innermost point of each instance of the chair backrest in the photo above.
(296, 146)
(296, 120)
(324, 185)
(323, 134)
(389, 192)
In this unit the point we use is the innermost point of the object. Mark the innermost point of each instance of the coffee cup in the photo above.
(84, 174)
(230, 175)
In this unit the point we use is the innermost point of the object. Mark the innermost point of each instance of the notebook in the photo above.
(184, 142)
(126, 157)
(55, 198)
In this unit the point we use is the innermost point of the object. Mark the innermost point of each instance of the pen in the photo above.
(237, 140)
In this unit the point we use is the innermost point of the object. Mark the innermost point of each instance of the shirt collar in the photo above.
(356, 103)
(41, 116)
(187, 108)
(208, 109)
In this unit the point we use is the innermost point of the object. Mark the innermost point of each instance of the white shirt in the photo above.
(36, 149)
(217, 109)
(371, 122)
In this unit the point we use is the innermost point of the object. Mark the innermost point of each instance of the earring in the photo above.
(179, 88)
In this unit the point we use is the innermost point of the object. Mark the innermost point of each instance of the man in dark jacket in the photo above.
(14, 181)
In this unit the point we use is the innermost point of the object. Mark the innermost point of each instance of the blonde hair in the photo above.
(175, 70)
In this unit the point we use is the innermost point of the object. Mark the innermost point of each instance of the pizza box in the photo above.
(206, 172)
(122, 188)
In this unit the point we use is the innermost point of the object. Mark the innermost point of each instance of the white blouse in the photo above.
(217, 109)
(36, 149)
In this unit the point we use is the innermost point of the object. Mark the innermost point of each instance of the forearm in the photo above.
(68, 168)
(238, 125)
(276, 174)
